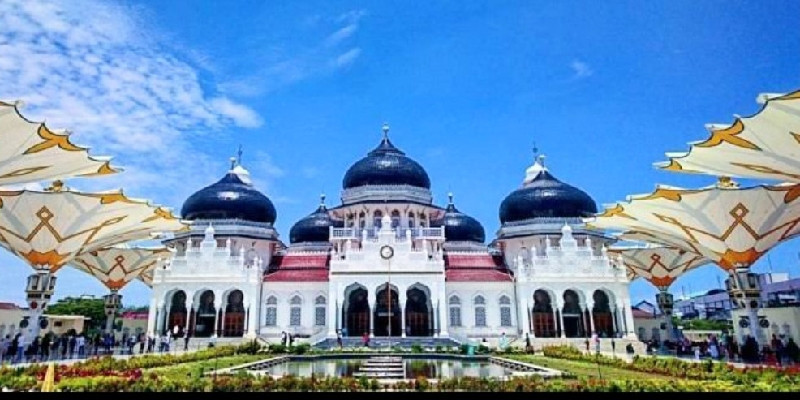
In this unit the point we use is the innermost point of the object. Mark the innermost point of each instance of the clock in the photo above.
(387, 252)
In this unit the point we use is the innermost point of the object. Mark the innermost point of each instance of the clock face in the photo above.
(387, 252)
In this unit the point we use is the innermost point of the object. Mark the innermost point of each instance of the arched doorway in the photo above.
(234, 314)
(601, 312)
(356, 313)
(543, 321)
(177, 312)
(573, 315)
(206, 317)
(387, 313)
(418, 313)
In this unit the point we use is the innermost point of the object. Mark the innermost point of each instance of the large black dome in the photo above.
(314, 227)
(386, 165)
(460, 227)
(232, 197)
(546, 196)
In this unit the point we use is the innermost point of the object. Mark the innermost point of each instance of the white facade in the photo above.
(547, 278)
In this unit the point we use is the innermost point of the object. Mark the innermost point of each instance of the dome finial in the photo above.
(535, 151)
(239, 156)
(385, 129)
(233, 162)
(322, 199)
(450, 197)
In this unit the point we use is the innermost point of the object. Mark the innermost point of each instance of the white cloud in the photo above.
(340, 35)
(351, 16)
(347, 58)
(241, 115)
(102, 71)
(580, 69)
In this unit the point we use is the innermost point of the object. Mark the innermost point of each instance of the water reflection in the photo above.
(414, 368)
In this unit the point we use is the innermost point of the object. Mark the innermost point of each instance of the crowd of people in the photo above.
(777, 351)
(72, 345)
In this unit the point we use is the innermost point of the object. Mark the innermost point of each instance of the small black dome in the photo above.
(386, 165)
(230, 198)
(460, 227)
(546, 196)
(314, 227)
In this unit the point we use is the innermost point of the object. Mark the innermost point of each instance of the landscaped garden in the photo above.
(193, 372)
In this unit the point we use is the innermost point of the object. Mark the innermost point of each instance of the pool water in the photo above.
(413, 368)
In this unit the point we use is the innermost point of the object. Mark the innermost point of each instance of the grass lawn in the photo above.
(586, 370)
(195, 368)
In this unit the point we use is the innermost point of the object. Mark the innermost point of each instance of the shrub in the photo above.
(301, 348)
(416, 348)
(277, 348)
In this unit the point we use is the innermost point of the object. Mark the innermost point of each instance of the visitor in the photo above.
(142, 339)
(64, 343)
(72, 343)
(291, 340)
(528, 348)
(339, 339)
(20, 347)
(131, 343)
(45, 349)
(365, 339)
(284, 339)
(792, 351)
(629, 349)
(777, 348)
(186, 342)
(5, 342)
(80, 343)
(54, 344)
(33, 350)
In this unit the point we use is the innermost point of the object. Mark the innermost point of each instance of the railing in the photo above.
(399, 233)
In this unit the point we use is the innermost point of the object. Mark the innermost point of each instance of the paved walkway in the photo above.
(629, 358)
(117, 355)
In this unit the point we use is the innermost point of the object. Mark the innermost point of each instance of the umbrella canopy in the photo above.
(147, 277)
(48, 229)
(763, 146)
(31, 152)
(732, 227)
(115, 267)
(659, 265)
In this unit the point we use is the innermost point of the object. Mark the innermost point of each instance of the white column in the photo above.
(444, 313)
(217, 316)
(401, 297)
(372, 310)
(252, 319)
(627, 321)
(561, 319)
(151, 316)
(330, 319)
(590, 307)
(188, 320)
(526, 317)
(162, 319)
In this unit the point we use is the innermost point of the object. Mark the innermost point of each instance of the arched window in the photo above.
(505, 311)
(395, 219)
(272, 311)
(455, 311)
(480, 311)
(319, 311)
(351, 220)
(376, 219)
(411, 220)
(295, 312)
(422, 220)
(362, 220)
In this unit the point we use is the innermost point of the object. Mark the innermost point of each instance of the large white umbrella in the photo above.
(763, 146)
(30, 152)
(117, 266)
(661, 266)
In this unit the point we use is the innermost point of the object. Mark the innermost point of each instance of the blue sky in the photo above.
(170, 89)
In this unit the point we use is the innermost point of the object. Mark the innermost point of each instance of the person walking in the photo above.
(80, 343)
(528, 347)
(339, 339)
(21, 347)
(45, 349)
(5, 342)
(186, 338)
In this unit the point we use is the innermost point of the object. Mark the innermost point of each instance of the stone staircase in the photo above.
(384, 342)
(382, 368)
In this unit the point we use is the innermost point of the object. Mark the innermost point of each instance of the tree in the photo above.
(90, 308)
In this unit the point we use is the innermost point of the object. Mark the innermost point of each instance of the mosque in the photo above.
(388, 262)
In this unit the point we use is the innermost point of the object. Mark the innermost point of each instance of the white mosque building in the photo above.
(387, 262)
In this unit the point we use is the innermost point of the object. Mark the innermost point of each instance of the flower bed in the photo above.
(706, 370)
